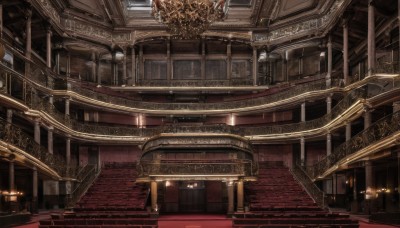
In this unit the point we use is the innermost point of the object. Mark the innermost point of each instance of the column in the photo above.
(34, 190)
(68, 65)
(58, 62)
(371, 37)
(284, 69)
(230, 197)
(240, 205)
(50, 139)
(169, 61)
(11, 177)
(229, 61)
(67, 106)
(37, 131)
(68, 151)
(302, 151)
(345, 53)
(367, 118)
(153, 190)
(255, 71)
(329, 74)
(329, 104)
(369, 187)
(303, 112)
(51, 99)
(328, 144)
(141, 63)
(348, 131)
(9, 116)
(94, 66)
(133, 66)
(114, 68)
(48, 47)
(28, 46)
(124, 77)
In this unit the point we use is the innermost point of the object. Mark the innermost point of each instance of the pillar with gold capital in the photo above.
(153, 190)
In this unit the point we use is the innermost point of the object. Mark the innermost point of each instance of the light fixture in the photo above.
(187, 19)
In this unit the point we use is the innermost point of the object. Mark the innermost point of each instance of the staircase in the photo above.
(278, 200)
(114, 200)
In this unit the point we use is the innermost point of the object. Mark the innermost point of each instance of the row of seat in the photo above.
(278, 200)
(114, 200)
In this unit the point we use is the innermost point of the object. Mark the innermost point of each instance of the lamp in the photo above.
(187, 19)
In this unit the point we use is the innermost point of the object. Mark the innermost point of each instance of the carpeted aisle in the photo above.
(194, 221)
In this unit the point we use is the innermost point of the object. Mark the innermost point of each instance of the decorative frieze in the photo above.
(80, 28)
(50, 10)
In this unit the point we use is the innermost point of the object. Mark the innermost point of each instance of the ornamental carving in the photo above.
(49, 9)
(380, 130)
(306, 27)
(88, 30)
(238, 168)
(95, 32)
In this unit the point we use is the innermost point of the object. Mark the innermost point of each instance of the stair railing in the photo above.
(318, 196)
(85, 179)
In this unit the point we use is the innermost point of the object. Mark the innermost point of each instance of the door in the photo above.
(192, 197)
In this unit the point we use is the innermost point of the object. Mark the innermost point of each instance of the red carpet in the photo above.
(205, 221)
(194, 221)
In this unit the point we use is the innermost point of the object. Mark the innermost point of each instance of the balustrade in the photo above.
(15, 136)
(237, 168)
(85, 178)
(195, 83)
(313, 190)
(31, 99)
(378, 131)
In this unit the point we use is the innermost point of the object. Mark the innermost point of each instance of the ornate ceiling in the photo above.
(244, 14)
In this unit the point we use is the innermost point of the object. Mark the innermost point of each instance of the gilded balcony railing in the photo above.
(312, 189)
(198, 141)
(206, 167)
(195, 83)
(15, 136)
(378, 131)
(338, 109)
(231, 105)
(31, 98)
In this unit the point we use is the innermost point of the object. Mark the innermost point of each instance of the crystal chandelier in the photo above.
(187, 19)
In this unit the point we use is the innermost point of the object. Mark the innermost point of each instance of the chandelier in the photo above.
(187, 19)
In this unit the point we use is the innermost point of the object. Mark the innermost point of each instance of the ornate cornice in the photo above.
(50, 11)
(93, 32)
(171, 140)
(80, 28)
(316, 26)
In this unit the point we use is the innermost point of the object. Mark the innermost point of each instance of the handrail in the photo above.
(338, 109)
(195, 83)
(34, 102)
(381, 129)
(14, 135)
(319, 196)
(231, 105)
(85, 179)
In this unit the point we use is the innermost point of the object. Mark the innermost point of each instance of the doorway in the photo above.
(192, 197)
